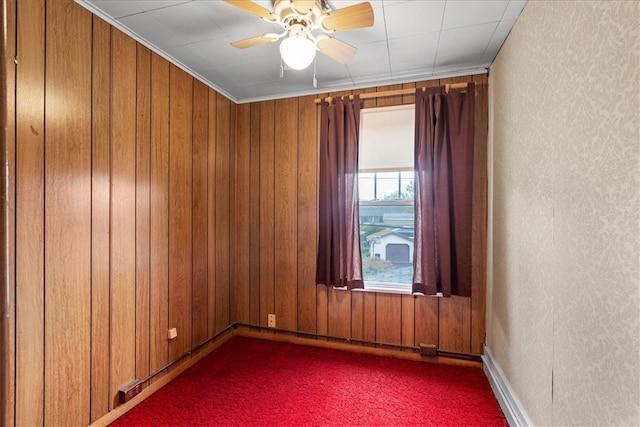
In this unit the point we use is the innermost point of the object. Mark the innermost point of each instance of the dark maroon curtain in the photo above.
(443, 191)
(339, 261)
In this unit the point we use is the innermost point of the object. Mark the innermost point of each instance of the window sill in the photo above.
(383, 290)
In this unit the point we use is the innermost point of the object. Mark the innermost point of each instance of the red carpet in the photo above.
(249, 382)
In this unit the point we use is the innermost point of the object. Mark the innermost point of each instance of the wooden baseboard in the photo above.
(326, 342)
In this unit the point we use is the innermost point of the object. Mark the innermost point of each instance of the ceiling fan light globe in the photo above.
(298, 52)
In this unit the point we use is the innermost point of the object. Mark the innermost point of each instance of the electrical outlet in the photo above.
(172, 333)
(271, 320)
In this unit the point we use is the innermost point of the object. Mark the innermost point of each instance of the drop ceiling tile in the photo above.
(420, 48)
(464, 45)
(188, 58)
(147, 28)
(400, 47)
(234, 22)
(187, 21)
(377, 32)
(216, 51)
(464, 13)
(413, 17)
(121, 8)
(371, 58)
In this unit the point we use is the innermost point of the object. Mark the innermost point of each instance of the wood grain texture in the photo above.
(143, 155)
(286, 211)
(240, 302)
(211, 214)
(8, 212)
(455, 324)
(29, 199)
(370, 313)
(180, 209)
(224, 170)
(357, 316)
(200, 203)
(123, 212)
(307, 212)
(339, 312)
(159, 221)
(389, 318)
(254, 214)
(100, 231)
(67, 214)
(479, 219)
(426, 320)
(322, 310)
(267, 210)
(408, 320)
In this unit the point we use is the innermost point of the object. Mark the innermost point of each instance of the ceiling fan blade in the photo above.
(251, 7)
(254, 41)
(349, 18)
(303, 6)
(336, 49)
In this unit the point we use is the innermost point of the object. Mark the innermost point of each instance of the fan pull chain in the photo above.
(315, 79)
(281, 68)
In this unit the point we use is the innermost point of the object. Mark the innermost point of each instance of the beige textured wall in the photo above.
(564, 258)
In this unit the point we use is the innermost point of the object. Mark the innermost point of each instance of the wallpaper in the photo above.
(563, 314)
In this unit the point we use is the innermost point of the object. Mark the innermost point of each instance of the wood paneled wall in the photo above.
(141, 200)
(122, 178)
(276, 234)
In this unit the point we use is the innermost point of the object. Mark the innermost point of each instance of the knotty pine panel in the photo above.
(67, 214)
(143, 154)
(180, 209)
(100, 197)
(267, 211)
(200, 205)
(123, 212)
(241, 225)
(307, 212)
(224, 172)
(159, 220)
(286, 211)
(29, 397)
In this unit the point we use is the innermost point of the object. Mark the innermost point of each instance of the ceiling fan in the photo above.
(307, 25)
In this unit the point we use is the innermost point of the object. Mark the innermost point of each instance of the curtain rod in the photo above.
(407, 91)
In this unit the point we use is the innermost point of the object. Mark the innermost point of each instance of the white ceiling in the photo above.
(410, 41)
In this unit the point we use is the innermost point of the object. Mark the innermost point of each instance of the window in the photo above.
(385, 179)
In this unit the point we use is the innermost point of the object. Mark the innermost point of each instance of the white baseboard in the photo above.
(513, 411)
